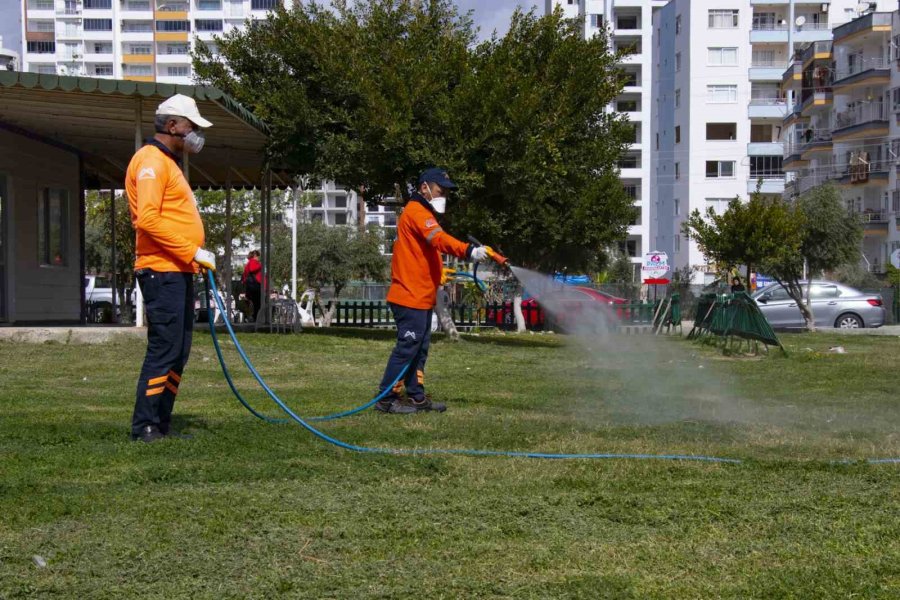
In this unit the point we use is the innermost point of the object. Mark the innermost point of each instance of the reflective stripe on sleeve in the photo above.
(433, 233)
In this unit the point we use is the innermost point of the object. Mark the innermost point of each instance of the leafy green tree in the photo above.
(98, 239)
(371, 93)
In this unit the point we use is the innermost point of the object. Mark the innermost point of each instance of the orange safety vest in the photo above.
(167, 224)
(416, 264)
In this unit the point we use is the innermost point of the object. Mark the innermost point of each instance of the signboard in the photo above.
(762, 281)
(895, 258)
(656, 265)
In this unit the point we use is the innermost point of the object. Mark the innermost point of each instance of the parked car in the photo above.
(98, 297)
(832, 304)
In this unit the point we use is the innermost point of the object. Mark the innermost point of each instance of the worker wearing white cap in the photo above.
(168, 250)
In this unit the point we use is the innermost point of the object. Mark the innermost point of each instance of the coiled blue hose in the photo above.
(211, 284)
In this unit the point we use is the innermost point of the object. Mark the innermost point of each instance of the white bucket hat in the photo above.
(180, 105)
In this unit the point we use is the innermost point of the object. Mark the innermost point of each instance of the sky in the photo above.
(494, 14)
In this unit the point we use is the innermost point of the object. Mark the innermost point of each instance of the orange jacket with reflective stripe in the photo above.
(416, 264)
(164, 213)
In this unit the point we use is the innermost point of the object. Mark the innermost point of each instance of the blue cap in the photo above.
(438, 176)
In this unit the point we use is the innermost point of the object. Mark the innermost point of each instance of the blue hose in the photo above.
(210, 281)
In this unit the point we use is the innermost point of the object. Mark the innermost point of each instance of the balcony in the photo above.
(869, 216)
(862, 120)
(767, 31)
(771, 184)
(879, 21)
(766, 70)
(811, 32)
(765, 149)
(816, 140)
(863, 71)
(767, 108)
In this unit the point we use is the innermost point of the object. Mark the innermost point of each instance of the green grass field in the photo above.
(250, 510)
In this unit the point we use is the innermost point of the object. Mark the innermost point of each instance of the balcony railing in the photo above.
(865, 113)
(873, 216)
(769, 26)
(767, 101)
(860, 66)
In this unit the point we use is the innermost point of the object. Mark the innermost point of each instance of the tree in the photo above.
(98, 239)
(245, 211)
(370, 94)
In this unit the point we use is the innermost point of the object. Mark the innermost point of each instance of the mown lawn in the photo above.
(250, 510)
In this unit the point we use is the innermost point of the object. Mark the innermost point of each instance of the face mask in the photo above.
(438, 203)
(193, 141)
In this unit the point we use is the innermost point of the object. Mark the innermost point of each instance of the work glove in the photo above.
(205, 259)
(479, 254)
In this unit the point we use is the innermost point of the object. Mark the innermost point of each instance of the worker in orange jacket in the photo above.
(169, 249)
(416, 268)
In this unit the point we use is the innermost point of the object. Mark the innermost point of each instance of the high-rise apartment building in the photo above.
(139, 40)
(720, 111)
(630, 25)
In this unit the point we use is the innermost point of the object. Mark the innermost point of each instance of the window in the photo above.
(719, 205)
(208, 24)
(628, 248)
(721, 94)
(42, 26)
(176, 49)
(719, 169)
(721, 131)
(629, 161)
(723, 19)
(209, 4)
(627, 22)
(823, 291)
(676, 207)
(677, 62)
(763, 58)
(722, 57)
(103, 48)
(173, 25)
(264, 4)
(103, 70)
(98, 24)
(631, 105)
(41, 47)
(43, 69)
(678, 134)
(340, 219)
(340, 201)
(657, 141)
(677, 170)
(179, 71)
(142, 49)
(766, 167)
(597, 21)
(631, 190)
(53, 230)
(98, 3)
(139, 70)
(631, 79)
(677, 24)
(677, 242)
(40, 5)
(677, 98)
(136, 27)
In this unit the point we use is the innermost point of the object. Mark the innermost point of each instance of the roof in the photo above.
(97, 117)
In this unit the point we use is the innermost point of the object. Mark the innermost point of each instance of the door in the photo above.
(4, 244)
(824, 304)
(780, 309)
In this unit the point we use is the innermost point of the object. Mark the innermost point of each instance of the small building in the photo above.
(60, 136)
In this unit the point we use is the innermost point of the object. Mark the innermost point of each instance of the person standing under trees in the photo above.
(416, 270)
(252, 280)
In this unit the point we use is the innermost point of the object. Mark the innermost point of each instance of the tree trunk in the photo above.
(442, 310)
(226, 268)
(328, 315)
(795, 291)
(517, 310)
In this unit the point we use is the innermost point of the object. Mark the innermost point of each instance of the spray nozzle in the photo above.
(495, 256)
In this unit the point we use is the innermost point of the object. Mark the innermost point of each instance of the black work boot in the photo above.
(427, 404)
(393, 405)
(148, 434)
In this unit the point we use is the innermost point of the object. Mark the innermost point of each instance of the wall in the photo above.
(39, 292)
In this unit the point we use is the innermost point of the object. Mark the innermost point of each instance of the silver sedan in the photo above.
(833, 305)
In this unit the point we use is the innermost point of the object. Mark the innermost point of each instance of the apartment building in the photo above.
(724, 122)
(630, 25)
(842, 126)
(139, 40)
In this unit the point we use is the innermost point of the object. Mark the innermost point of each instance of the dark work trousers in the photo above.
(254, 294)
(169, 301)
(413, 340)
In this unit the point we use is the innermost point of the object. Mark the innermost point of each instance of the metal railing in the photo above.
(768, 101)
(861, 65)
(863, 113)
(766, 25)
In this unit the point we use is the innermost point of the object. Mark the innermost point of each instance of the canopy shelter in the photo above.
(100, 123)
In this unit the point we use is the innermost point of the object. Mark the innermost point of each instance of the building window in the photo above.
(53, 230)
(721, 94)
(631, 105)
(179, 71)
(340, 219)
(677, 98)
(678, 134)
(103, 48)
(631, 190)
(98, 24)
(209, 4)
(677, 170)
(628, 248)
(627, 22)
(723, 19)
(676, 206)
(264, 4)
(40, 5)
(657, 141)
(41, 47)
(136, 27)
(719, 205)
(597, 21)
(677, 62)
(176, 49)
(142, 49)
(629, 161)
(720, 169)
(677, 24)
(721, 131)
(103, 70)
(723, 57)
(99, 4)
(340, 201)
(208, 24)
(42, 26)
(766, 167)
(173, 25)
(139, 70)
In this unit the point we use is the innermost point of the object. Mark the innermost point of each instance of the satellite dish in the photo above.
(800, 21)
(863, 7)
(63, 70)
